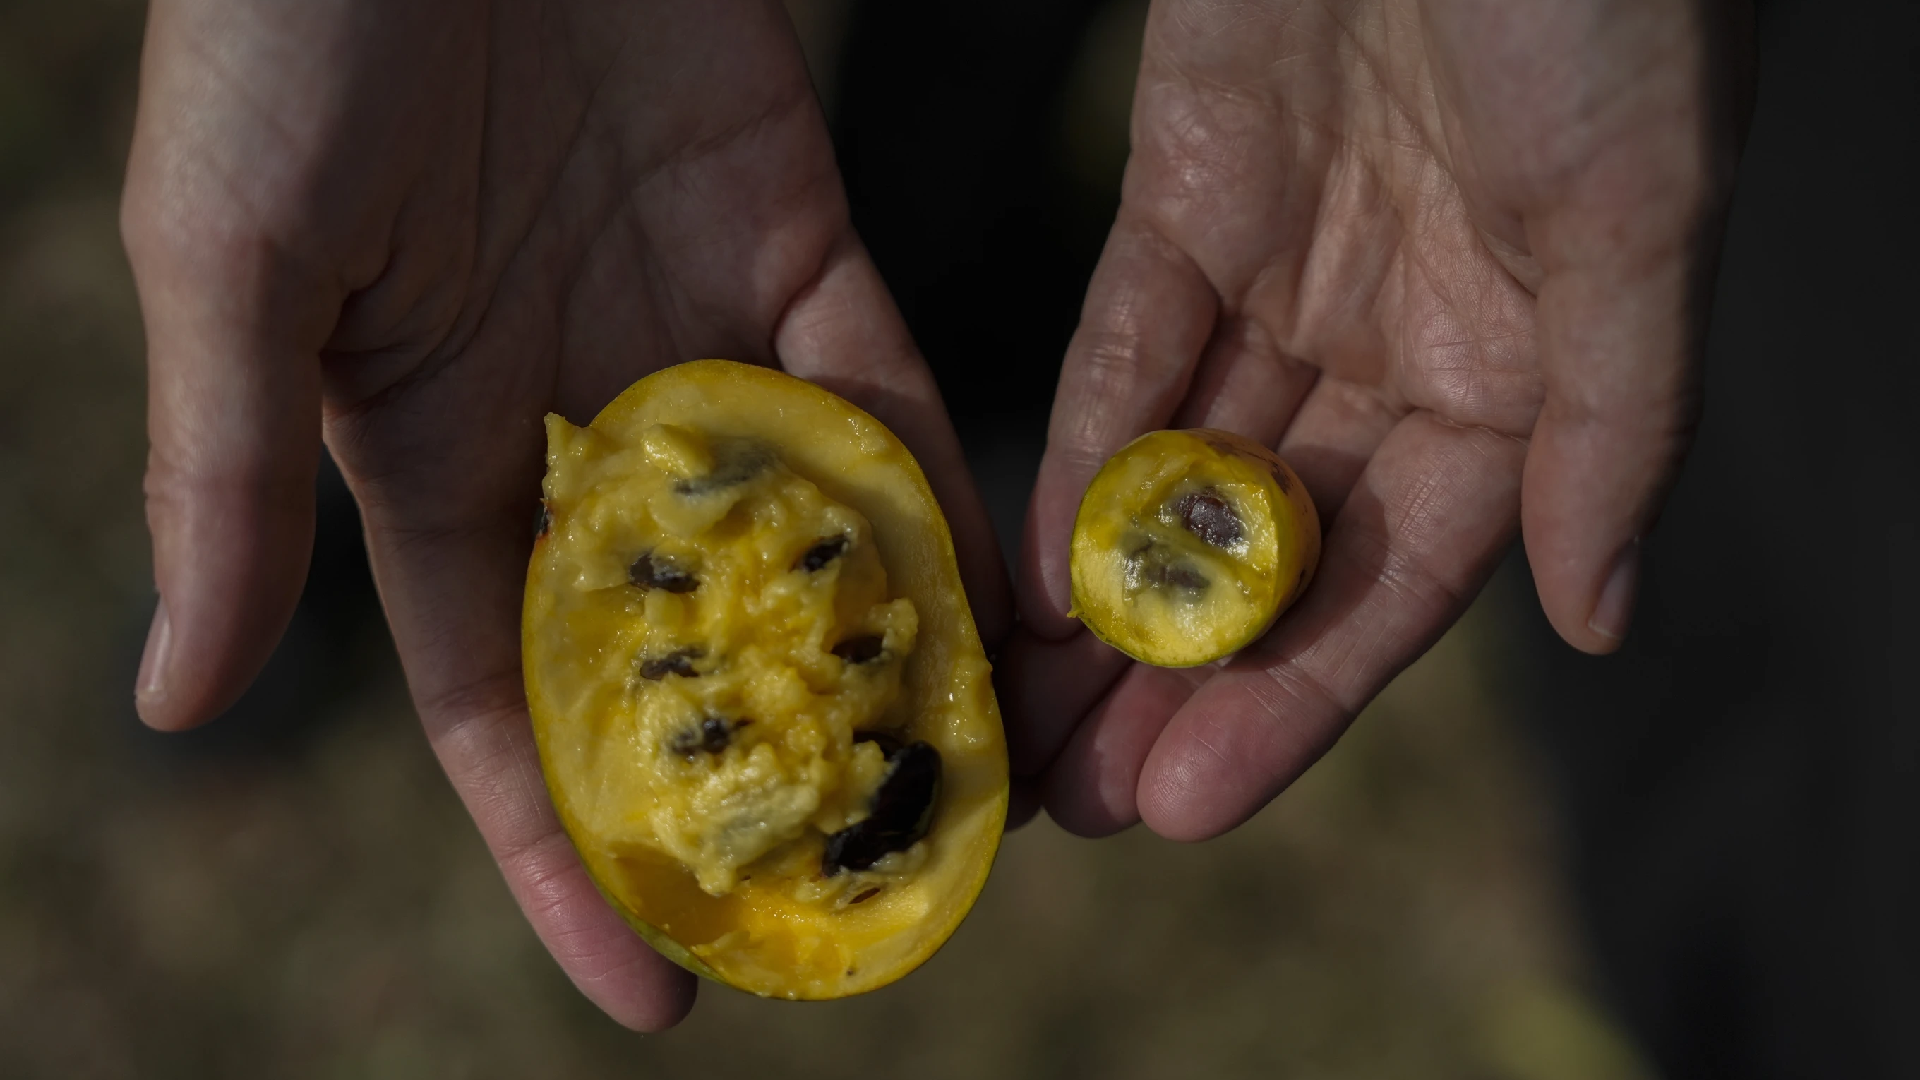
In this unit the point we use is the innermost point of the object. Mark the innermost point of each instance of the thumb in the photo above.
(233, 416)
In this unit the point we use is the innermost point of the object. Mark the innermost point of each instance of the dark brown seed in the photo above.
(713, 735)
(1210, 517)
(1156, 567)
(1178, 575)
(860, 650)
(678, 662)
(652, 573)
(736, 466)
(822, 553)
(899, 814)
(864, 896)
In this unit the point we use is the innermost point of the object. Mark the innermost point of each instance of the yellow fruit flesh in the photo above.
(1188, 544)
(710, 838)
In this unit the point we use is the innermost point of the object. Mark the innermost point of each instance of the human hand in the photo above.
(1451, 259)
(414, 227)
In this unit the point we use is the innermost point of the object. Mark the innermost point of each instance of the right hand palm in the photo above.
(1448, 259)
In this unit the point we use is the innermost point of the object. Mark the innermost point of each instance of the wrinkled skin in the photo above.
(412, 227)
(1449, 258)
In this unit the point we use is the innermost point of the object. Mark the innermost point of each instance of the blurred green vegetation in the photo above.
(322, 908)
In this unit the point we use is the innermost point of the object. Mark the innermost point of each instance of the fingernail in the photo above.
(1615, 609)
(148, 686)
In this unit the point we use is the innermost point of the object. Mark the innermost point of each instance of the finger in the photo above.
(844, 332)
(1091, 790)
(483, 738)
(1419, 534)
(1618, 346)
(1245, 384)
(1149, 312)
(1621, 222)
(233, 415)
(1333, 435)
(451, 586)
(1092, 783)
(1046, 687)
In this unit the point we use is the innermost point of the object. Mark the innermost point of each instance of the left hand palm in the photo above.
(417, 226)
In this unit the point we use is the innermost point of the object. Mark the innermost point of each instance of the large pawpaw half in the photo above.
(762, 707)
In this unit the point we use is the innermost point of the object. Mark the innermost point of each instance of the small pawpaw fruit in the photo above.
(1188, 544)
(762, 707)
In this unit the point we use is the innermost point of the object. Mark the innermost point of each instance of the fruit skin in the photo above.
(857, 461)
(1284, 504)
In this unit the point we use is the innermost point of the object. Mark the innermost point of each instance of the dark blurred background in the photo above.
(1696, 860)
